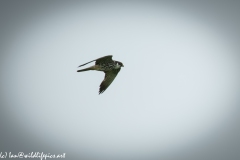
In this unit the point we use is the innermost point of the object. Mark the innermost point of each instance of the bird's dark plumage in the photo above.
(108, 79)
(108, 66)
(104, 59)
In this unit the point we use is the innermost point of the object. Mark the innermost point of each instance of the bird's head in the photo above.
(120, 64)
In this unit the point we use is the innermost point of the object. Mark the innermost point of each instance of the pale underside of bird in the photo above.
(108, 66)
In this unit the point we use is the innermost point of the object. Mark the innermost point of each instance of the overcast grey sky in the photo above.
(177, 97)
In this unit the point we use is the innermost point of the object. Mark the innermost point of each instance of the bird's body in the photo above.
(108, 66)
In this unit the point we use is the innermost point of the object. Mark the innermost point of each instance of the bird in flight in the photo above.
(108, 66)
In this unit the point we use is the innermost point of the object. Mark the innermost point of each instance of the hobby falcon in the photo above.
(108, 66)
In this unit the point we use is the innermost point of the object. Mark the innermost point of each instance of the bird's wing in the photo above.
(108, 79)
(100, 60)
(104, 59)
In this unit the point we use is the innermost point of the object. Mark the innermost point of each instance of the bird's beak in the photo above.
(122, 65)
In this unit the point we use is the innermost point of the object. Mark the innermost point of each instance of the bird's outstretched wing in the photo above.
(104, 59)
(108, 79)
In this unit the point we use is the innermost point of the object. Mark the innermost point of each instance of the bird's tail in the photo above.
(87, 69)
